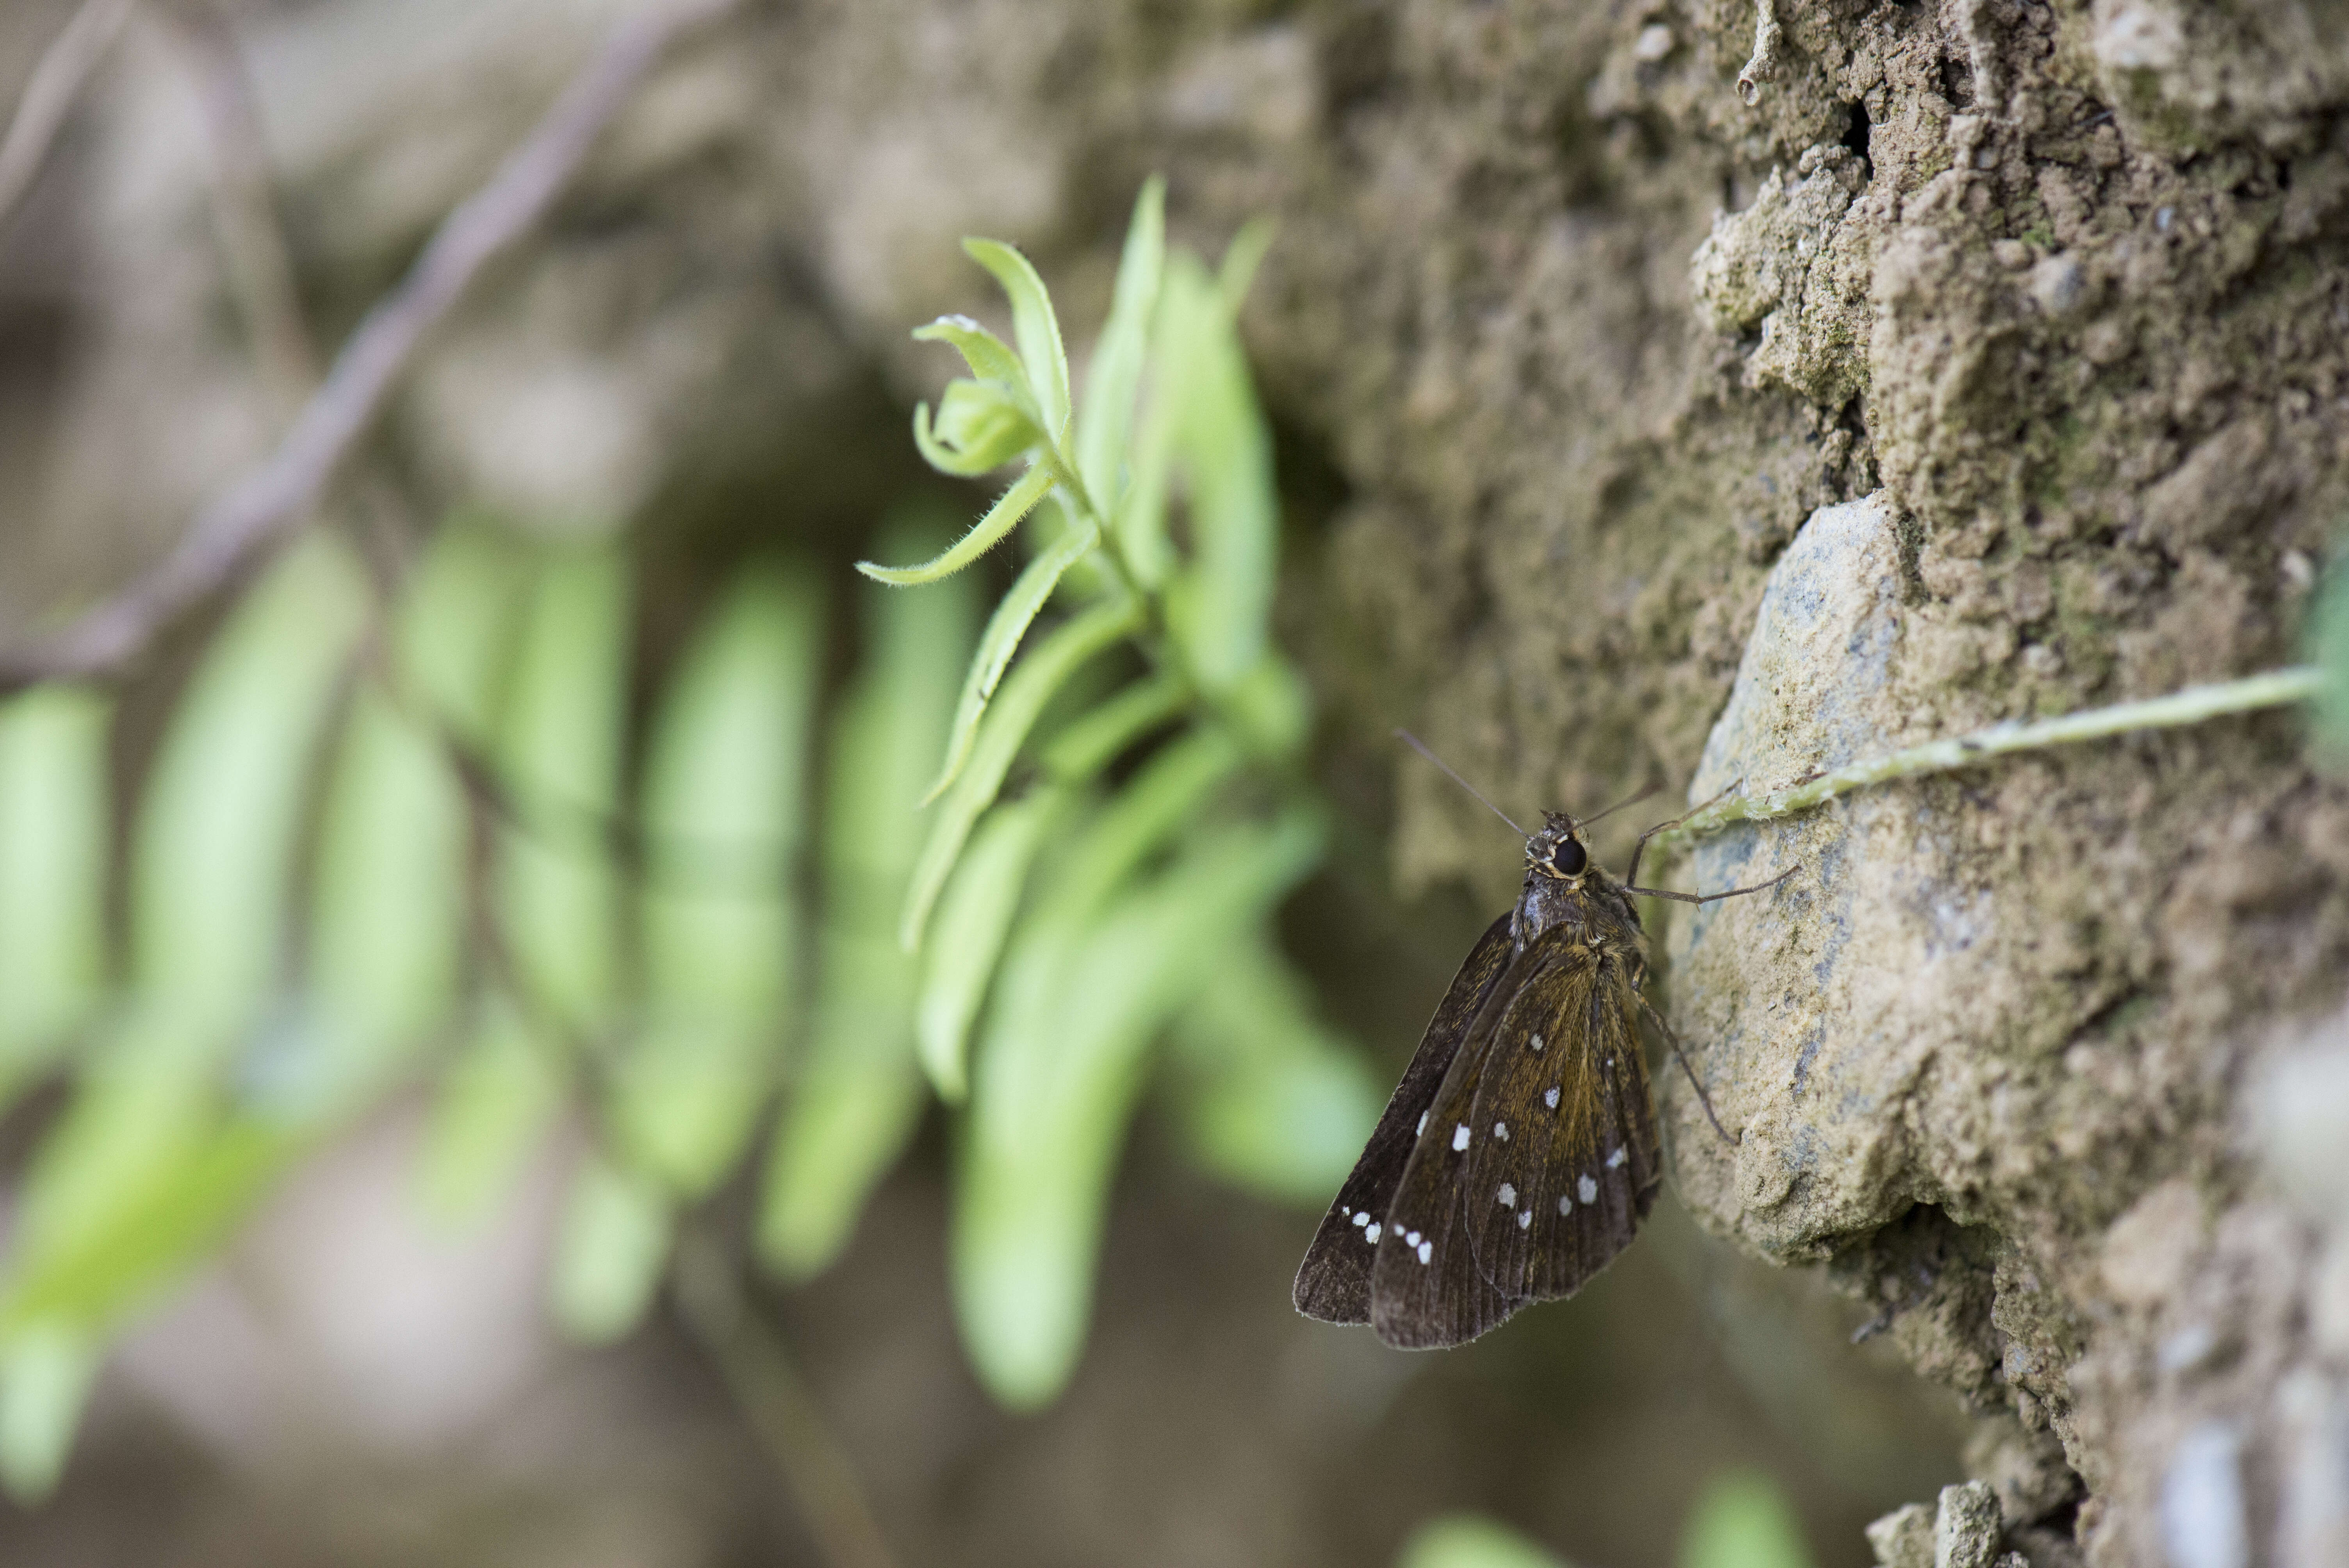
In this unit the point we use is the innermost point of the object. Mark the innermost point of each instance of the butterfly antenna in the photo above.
(1417, 745)
(1619, 805)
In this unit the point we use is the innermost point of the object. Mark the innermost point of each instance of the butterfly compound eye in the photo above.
(1567, 859)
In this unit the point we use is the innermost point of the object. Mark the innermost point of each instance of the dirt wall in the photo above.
(2001, 346)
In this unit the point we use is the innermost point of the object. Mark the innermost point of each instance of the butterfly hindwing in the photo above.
(1427, 1287)
(1493, 1211)
(1334, 1282)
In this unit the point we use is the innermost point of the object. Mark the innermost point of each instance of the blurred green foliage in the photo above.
(406, 838)
(1069, 919)
(1743, 1520)
(1471, 1540)
(2329, 652)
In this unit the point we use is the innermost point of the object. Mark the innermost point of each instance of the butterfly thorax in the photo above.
(1565, 887)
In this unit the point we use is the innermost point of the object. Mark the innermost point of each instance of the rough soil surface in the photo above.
(2007, 344)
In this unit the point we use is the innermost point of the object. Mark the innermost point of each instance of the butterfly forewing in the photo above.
(1334, 1283)
(1539, 1157)
(1621, 1161)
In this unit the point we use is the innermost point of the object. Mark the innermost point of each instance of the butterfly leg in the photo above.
(1709, 897)
(1632, 875)
(1679, 1056)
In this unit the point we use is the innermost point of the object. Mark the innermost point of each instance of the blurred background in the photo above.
(466, 1100)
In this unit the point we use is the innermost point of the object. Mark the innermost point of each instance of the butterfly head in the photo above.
(1557, 851)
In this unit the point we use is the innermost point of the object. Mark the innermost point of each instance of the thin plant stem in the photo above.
(254, 250)
(2275, 689)
(1158, 644)
(776, 1402)
(273, 500)
(65, 66)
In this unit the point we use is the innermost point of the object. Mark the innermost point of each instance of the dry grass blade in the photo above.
(56, 81)
(2274, 688)
(275, 498)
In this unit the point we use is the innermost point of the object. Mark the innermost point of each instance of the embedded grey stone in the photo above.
(1814, 665)
(1966, 1526)
(2059, 284)
(1903, 1538)
(1808, 1066)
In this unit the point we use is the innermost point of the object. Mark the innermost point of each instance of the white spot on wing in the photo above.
(1426, 1250)
(1615, 1161)
(1413, 1237)
(1501, 1131)
(1422, 1125)
(1361, 1219)
(1372, 1236)
(1508, 1196)
(1537, 1042)
(1525, 1221)
(1460, 1135)
(1564, 1205)
(1587, 1187)
(1550, 1099)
